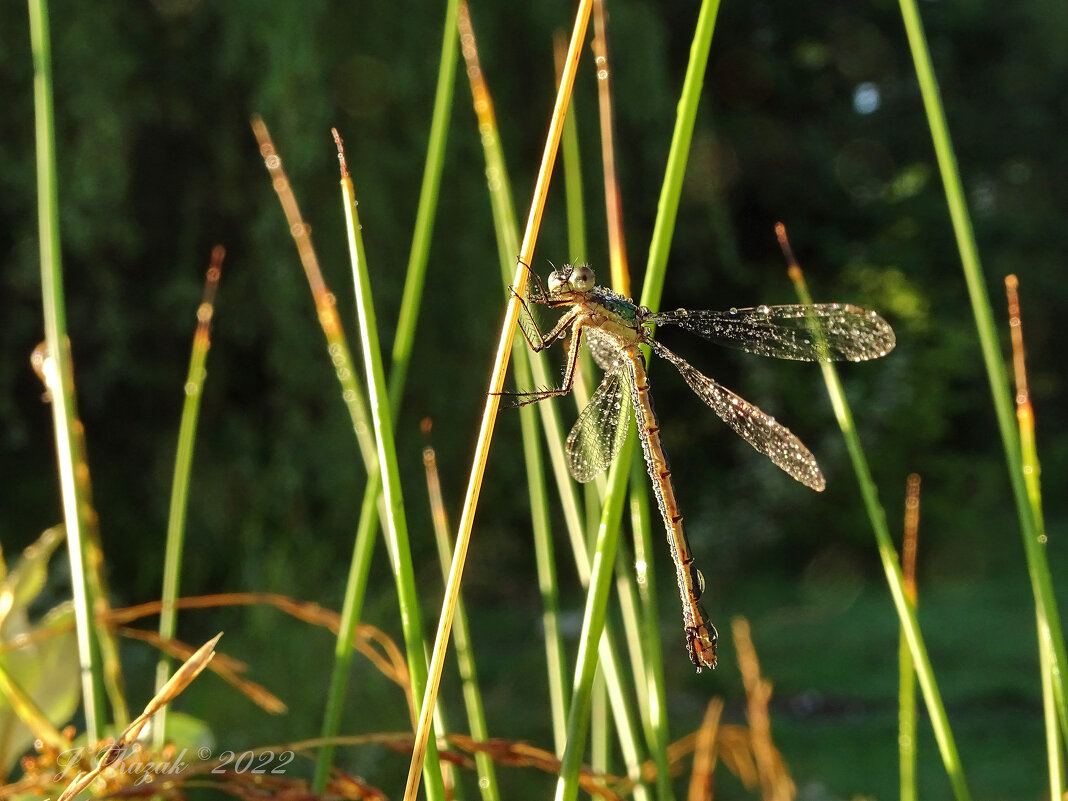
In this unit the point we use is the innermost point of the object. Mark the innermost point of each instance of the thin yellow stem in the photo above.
(489, 415)
(617, 246)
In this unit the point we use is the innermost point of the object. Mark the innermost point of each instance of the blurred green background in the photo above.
(810, 115)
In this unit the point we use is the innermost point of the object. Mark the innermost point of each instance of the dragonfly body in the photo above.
(614, 324)
(614, 328)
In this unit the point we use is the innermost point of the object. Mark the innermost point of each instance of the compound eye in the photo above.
(557, 282)
(582, 278)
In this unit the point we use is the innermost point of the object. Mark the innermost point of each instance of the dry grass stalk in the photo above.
(775, 782)
(704, 755)
(181, 679)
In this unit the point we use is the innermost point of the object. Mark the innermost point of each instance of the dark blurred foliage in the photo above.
(811, 115)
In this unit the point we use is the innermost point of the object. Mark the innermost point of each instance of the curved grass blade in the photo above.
(396, 521)
(64, 416)
(947, 745)
(506, 230)
(1034, 546)
(463, 539)
(461, 632)
(1025, 418)
(608, 534)
(531, 371)
(183, 464)
(419, 254)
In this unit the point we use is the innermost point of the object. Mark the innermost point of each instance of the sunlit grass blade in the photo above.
(668, 205)
(569, 147)
(504, 345)
(617, 247)
(507, 235)
(353, 395)
(1034, 545)
(61, 375)
(1029, 453)
(906, 736)
(947, 745)
(653, 695)
(461, 632)
(611, 513)
(600, 746)
(647, 666)
(419, 255)
(183, 465)
(396, 521)
(593, 621)
(531, 371)
(352, 392)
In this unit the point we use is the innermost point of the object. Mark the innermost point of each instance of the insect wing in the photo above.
(599, 432)
(528, 322)
(816, 332)
(604, 350)
(764, 433)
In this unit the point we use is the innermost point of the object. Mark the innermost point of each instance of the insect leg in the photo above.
(524, 398)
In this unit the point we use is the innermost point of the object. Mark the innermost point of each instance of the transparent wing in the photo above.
(604, 349)
(530, 318)
(599, 432)
(819, 332)
(758, 429)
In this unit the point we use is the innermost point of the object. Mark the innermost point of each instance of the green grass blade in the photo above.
(906, 613)
(569, 150)
(655, 719)
(1054, 743)
(405, 337)
(1025, 419)
(183, 465)
(906, 719)
(1034, 545)
(351, 608)
(352, 392)
(593, 621)
(62, 385)
(600, 747)
(608, 535)
(396, 521)
(675, 171)
(644, 674)
(531, 371)
(353, 395)
(906, 738)
(506, 229)
(419, 254)
(461, 634)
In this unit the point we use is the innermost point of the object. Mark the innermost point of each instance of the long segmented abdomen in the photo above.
(701, 635)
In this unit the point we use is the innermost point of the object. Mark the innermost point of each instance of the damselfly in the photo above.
(614, 328)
